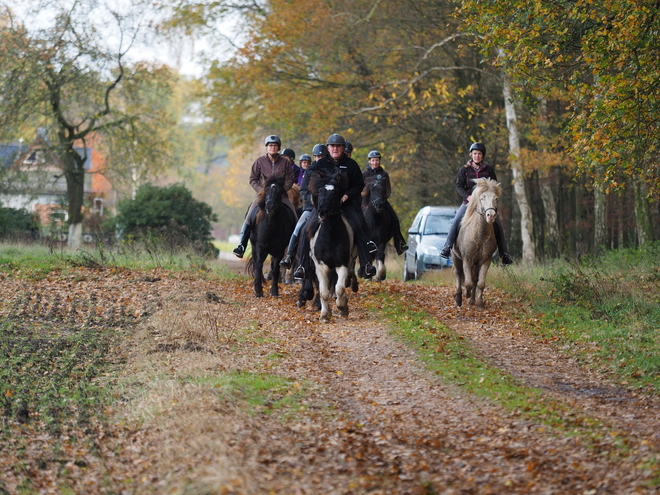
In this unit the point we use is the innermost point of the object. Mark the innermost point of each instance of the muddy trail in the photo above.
(356, 410)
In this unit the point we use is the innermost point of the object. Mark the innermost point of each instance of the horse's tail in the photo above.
(249, 267)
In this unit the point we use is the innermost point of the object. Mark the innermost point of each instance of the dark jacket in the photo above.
(464, 184)
(373, 173)
(264, 168)
(345, 165)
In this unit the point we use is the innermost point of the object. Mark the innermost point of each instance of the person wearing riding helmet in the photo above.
(475, 168)
(305, 161)
(336, 160)
(319, 151)
(269, 164)
(349, 149)
(376, 171)
(291, 155)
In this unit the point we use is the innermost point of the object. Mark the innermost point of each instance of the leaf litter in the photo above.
(368, 418)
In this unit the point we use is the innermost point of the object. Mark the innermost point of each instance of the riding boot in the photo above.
(290, 252)
(246, 230)
(507, 259)
(453, 232)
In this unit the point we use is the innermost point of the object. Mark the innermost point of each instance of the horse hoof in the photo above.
(324, 319)
(259, 295)
(344, 313)
(300, 304)
(459, 301)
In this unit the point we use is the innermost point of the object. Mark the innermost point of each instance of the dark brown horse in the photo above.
(475, 245)
(271, 233)
(379, 220)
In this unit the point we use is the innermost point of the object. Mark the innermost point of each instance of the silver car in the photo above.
(426, 238)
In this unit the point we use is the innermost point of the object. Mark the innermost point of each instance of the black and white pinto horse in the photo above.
(379, 221)
(332, 246)
(270, 235)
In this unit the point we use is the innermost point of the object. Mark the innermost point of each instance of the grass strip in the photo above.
(451, 357)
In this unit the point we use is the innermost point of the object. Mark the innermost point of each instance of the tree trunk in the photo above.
(74, 172)
(600, 219)
(526, 222)
(547, 196)
(642, 213)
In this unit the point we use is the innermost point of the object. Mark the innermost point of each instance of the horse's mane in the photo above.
(482, 185)
(318, 179)
(273, 179)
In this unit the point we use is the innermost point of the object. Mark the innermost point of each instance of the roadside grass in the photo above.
(451, 357)
(36, 261)
(603, 311)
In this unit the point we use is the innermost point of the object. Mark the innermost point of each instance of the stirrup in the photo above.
(299, 274)
(371, 246)
(369, 270)
(239, 251)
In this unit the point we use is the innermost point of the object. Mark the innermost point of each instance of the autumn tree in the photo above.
(69, 78)
(604, 56)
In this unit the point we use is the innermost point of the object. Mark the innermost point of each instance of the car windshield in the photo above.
(437, 224)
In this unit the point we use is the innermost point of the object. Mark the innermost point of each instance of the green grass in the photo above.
(603, 311)
(36, 262)
(451, 357)
(259, 392)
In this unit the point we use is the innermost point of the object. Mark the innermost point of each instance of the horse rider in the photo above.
(337, 161)
(349, 149)
(269, 164)
(319, 151)
(305, 161)
(291, 155)
(376, 171)
(475, 168)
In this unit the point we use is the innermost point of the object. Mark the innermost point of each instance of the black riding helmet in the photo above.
(336, 139)
(478, 146)
(374, 154)
(305, 157)
(288, 152)
(349, 147)
(320, 150)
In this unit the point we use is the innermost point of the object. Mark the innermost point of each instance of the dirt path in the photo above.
(369, 417)
(377, 422)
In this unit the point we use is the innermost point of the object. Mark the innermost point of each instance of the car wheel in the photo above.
(406, 274)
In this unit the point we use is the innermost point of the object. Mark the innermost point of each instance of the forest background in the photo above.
(565, 97)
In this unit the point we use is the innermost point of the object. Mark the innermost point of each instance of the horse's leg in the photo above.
(258, 273)
(340, 290)
(460, 276)
(381, 272)
(481, 284)
(275, 280)
(323, 274)
(471, 278)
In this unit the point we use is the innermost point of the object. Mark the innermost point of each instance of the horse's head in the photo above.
(271, 196)
(327, 191)
(376, 191)
(486, 194)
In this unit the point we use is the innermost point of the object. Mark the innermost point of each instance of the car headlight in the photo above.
(428, 250)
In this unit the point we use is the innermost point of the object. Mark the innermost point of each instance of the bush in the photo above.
(169, 213)
(17, 224)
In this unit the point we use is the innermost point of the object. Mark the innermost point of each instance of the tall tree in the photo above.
(69, 78)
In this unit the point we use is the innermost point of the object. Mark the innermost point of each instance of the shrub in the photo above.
(17, 224)
(169, 213)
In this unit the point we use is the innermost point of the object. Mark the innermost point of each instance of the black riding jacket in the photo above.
(464, 184)
(345, 165)
(370, 173)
